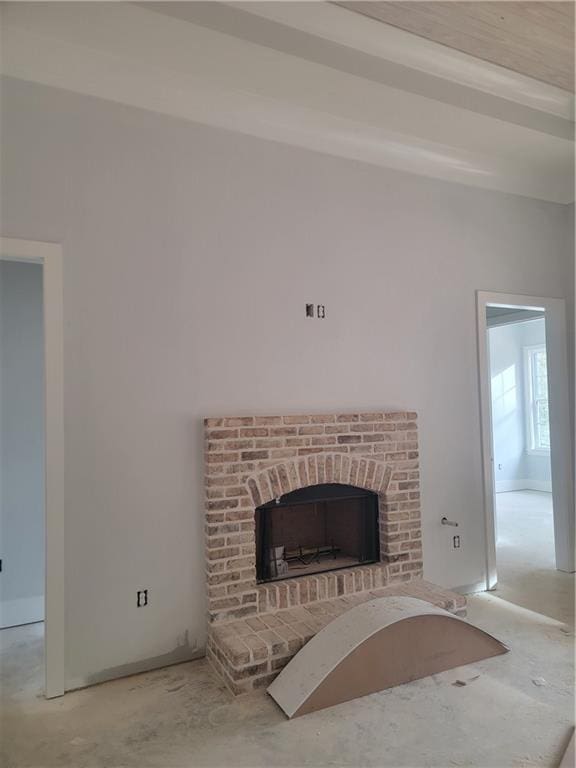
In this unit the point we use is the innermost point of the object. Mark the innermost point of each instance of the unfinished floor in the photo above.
(525, 557)
(515, 710)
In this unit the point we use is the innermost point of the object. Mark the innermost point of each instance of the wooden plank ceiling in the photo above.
(532, 38)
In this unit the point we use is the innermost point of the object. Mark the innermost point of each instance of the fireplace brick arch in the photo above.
(316, 469)
(251, 460)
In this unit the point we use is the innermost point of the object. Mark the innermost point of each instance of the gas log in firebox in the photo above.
(315, 529)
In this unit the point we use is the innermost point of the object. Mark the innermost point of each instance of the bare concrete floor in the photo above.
(515, 710)
(525, 557)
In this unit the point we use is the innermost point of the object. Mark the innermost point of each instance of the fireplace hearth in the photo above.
(316, 529)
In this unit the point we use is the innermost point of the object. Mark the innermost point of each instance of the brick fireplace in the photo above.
(251, 461)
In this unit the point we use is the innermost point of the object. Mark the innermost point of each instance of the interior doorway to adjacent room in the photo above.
(32, 461)
(22, 520)
(528, 483)
(22, 482)
(520, 445)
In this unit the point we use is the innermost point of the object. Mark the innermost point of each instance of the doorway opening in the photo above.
(34, 389)
(523, 501)
(22, 513)
(526, 448)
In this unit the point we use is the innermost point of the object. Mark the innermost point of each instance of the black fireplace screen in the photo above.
(316, 529)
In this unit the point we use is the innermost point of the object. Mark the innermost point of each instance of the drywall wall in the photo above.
(514, 467)
(189, 255)
(507, 389)
(537, 466)
(21, 444)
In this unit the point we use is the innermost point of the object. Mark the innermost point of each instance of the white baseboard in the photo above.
(25, 610)
(503, 486)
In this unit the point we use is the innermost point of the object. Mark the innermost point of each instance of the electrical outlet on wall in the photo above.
(320, 311)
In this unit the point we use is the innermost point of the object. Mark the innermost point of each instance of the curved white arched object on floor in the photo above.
(377, 645)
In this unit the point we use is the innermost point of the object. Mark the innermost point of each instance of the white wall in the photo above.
(507, 389)
(189, 254)
(514, 467)
(538, 469)
(21, 444)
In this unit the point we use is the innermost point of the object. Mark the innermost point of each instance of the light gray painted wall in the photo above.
(537, 467)
(189, 254)
(507, 384)
(21, 443)
(512, 463)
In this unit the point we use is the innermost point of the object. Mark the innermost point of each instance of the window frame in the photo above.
(528, 353)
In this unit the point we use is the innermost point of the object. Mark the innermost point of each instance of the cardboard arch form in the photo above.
(377, 645)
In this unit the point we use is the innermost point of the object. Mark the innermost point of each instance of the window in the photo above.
(536, 391)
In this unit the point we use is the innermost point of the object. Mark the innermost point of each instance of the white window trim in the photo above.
(528, 397)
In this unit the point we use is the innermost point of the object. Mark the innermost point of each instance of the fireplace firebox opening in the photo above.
(315, 529)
